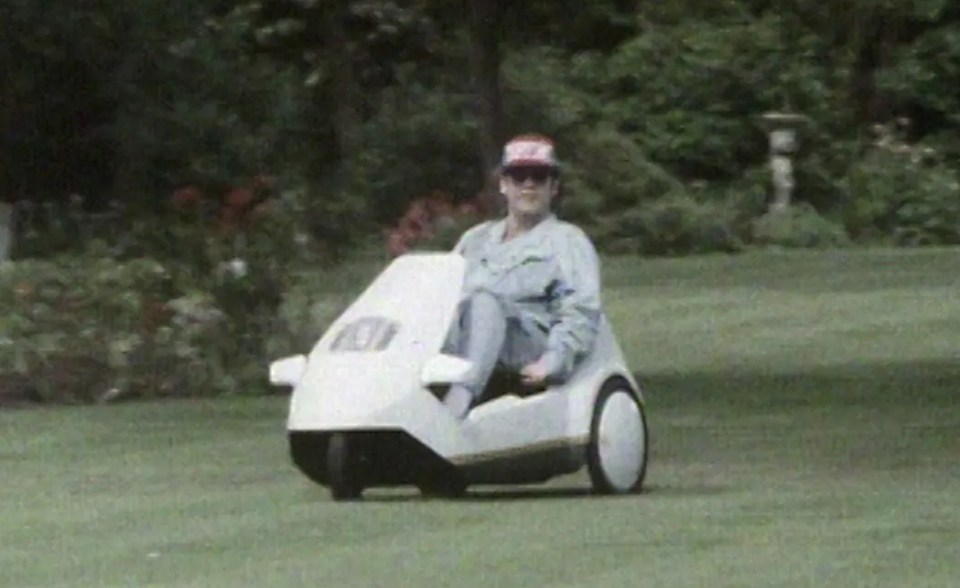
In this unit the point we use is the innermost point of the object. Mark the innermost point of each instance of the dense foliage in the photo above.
(229, 155)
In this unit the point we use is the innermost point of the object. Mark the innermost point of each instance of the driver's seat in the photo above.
(505, 381)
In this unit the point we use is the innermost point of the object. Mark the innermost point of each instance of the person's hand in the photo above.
(534, 374)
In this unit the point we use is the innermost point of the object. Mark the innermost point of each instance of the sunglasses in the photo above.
(520, 175)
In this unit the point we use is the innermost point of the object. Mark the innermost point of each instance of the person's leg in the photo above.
(478, 338)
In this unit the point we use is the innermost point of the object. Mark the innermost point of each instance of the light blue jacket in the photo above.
(547, 278)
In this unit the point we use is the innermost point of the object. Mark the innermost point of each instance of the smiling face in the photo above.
(529, 190)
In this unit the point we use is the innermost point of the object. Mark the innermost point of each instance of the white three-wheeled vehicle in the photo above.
(365, 409)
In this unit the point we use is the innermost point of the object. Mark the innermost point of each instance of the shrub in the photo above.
(87, 328)
(617, 168)
(604, 169)
(930, 215)
(689, 94)
(197, 105)
(922, 77)
(419, 142)
(676, 224)
(182, 303)
(78, 329)
(798, 226)
(904, 194)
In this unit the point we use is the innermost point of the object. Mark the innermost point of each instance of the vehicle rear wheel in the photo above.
(617, 453)
(342, 475)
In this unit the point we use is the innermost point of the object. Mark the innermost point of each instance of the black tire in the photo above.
(619, 390)
(342, 475)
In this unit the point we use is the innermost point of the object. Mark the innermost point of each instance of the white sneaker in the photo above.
(458, 401)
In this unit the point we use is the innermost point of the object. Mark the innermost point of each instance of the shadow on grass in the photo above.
(541, 493)
(479, 494)
(649, 490)
(916, 384)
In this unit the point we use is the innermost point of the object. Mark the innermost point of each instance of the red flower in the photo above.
(468, 209)
(424, 216)
(419, 210)
(412, 226)
(261, 182)
(228, 220)
(240, 198)
(440, 205)
(397, 243)
(186, 196)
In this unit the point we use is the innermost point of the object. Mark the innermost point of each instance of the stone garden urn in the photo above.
(783, 129)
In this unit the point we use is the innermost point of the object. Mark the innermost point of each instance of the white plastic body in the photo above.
(387, 389)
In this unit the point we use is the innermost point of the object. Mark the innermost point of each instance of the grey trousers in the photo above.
(487, 335)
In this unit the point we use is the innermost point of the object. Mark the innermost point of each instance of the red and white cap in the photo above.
(529, 151)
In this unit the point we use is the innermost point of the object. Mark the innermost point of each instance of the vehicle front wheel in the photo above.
(342, 475)
(617, 452)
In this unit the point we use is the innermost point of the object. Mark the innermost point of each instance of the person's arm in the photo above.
(576, 304)
(460, 247)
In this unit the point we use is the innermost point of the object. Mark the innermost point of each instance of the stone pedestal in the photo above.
(783, 129)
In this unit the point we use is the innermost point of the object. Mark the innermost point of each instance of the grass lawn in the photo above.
(805, 417)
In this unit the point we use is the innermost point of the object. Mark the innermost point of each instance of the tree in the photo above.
(485, 17)
(343, 84)
(52, 108)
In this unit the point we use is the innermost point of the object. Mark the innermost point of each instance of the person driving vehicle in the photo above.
(531, 298)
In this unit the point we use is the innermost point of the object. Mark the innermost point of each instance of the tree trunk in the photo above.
(8, 111)
(343, 84)
(875, 33)
(485, 54)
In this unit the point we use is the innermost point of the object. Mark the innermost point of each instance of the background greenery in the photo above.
(190, 178)
(803, 420)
